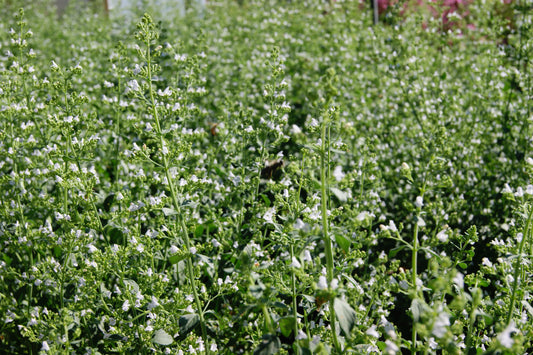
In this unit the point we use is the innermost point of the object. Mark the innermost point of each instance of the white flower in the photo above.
(299, 224)
(372, 331)
(133, 85)
(338, 173)
(307, 256)
(486, 262)
(54, 65)
(364, 215)
(459, 280)
(529, 161)
(45, 346)
(443, 235)
(505, 338)
(164, 150)
(180, 57)
(322, 283)
(295, 129)
(193, 250)
(269, 215)
(126, 306)
(295, 263)
(313, 123)
(439, 327)
(334, 284)
(507, 189)
(153, 304)
(391, 348)
(215, 243)
(301, 335)
(167, 92)
(419, 202)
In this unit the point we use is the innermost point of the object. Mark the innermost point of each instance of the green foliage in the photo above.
(273, 177)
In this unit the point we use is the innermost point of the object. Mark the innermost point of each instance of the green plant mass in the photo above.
(263, 177)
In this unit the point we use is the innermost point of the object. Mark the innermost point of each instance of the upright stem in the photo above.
(175, 202)
(294, 301)
(518, 265)
(414, 276)
(327, 240)
(476, 298)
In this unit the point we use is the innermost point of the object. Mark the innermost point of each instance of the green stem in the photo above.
(268, 320)
(476, 300)
(294, 301)
(175, 202)
(327, 240)
(414, 276)
(518, 265)
(117, 130)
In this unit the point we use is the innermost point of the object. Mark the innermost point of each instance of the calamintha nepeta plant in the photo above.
(271, 177)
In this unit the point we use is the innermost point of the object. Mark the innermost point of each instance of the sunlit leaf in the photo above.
(286, 325)
(345, 314)
(270, 344)
(162, 338)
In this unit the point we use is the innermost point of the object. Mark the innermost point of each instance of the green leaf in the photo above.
(463, 266)
(266, 199)
(176, 258)
(286, 325)
(108, 202)
(199, 231)
(321, 349)
(169, 211)
(341, 195)
(116, 337)
(162, 338)
(345, 314)
(301, 350)
(269, 345)
(381, 345)
(309, 298)
(131, 285)
(189, 203)
(7, 259)
(483, 283)
(418, 307)
(280, 305)
(187, 323)
(395, 251)
(527, 306)
(208, 262)
(343, 242)
(114, 234)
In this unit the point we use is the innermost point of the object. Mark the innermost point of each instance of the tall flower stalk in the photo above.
(518, 263)
(148, 36)
(325, 226)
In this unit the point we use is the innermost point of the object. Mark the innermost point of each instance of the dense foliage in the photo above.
(267, 176)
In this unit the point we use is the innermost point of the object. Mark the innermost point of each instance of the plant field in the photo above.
(267, 177)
